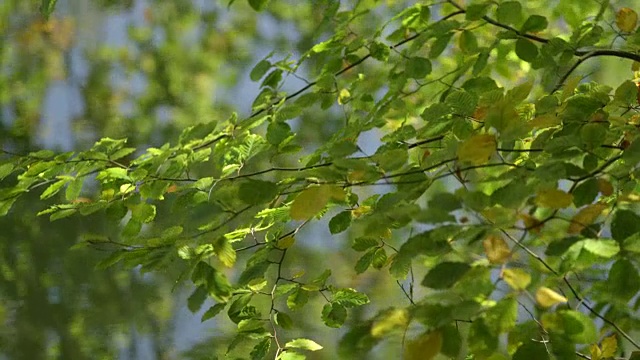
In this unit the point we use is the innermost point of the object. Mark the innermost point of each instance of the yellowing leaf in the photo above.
(626, 19)
(477, 149)
(553, 199)
(605, 187)
(609, 346)
(544, 121)
(585, 217)
(286, 242)
(518, 279)
(336, 193)
(546, 297)
(344, 96)
(425, 347)
(313, 199)
(496, 248)
(394, 319)
(595, 352)
(360, 210)
(531, 223)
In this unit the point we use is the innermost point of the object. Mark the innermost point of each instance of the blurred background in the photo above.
(142, 70)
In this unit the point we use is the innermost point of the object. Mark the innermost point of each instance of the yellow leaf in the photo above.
(546, 297)
(626, 19)
(310, 202)
(477, 149)
(286, 242)
(425, 347)
(518, 279)
(595, 352)
(394, 319)
(585, 217)
(344, 96)
(553, 199)
(360, 210)
(609, 346)
(496, 248)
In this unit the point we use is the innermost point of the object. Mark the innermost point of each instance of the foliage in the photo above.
(501, 195)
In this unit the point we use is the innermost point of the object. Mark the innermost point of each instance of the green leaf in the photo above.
(340, 222)
(53, 189)
(261, 350)
(260, 69)
(350, 298)
(531, 350)
(476, 11)
(258, 5)
(624, 224)
(417, 67)
(283, 320)
(196, 299)
(73, 189)
(47, 7)
(365, 261)
(509, 12)
(277, 132)
(5, 169)
(364, 243)
(62, 214)
(5, 205)
(290, 355)
(439, 45)
(468, 42)
(445, 274)
(502, 317)
(593, 134)
(534, 23)
(462, 102)
(623, 281)
(273, 79)
(304, 344)
(235, 310)
(313, 199)
(481, 340)
(626, 93)
(297, 299)
(143, 212)
(254, 192)
(586, 192)
(572, 324)
(584, 253)
(212, 311)
(526, 50)
(379, 51)
(334, 315)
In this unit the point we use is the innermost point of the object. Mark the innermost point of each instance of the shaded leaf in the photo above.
(425, 347)
(445, 274)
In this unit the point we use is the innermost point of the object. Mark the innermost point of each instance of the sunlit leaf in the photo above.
(585, 217)
(496, 249)
(518, 279)
(304, 344)
(546, 297)
(553, 198)
(477, 149)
